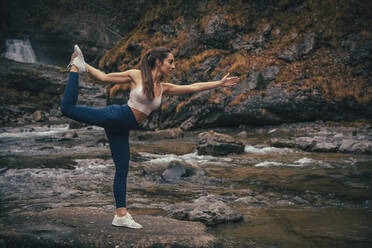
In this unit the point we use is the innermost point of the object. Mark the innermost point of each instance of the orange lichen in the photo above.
(180, 105)
(184, 65)
(238, 99)
(116, 89)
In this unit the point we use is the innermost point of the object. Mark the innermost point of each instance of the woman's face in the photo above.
(168, 65)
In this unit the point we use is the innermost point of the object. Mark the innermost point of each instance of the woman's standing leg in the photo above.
(119, 145)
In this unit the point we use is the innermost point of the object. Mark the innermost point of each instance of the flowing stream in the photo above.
(288, 197)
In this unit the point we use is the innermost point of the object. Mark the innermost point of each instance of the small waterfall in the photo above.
(20, 51)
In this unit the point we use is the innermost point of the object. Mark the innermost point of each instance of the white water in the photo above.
(35, 131)
(20, 51)
(190, 158)
(266, 150)
(303, 162)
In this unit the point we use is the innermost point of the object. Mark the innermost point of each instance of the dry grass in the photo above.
(118, 88)
(329, 20)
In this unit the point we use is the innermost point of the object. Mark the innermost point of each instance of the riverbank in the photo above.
(287, 197)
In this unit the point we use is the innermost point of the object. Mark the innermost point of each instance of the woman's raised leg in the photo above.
(88, 115)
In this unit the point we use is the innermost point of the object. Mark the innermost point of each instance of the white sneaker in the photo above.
(78, 61)
(126, 221)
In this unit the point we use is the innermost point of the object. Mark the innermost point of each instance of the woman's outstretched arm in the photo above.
(173, 89)
(115, 77)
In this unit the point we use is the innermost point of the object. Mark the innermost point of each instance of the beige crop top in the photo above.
(139, 101)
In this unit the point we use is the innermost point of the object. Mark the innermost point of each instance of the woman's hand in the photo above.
(229, 81)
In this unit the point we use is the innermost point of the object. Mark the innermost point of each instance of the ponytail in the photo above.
(147, 64)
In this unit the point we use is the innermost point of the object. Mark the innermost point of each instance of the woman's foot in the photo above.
(126, 221)
(77, 60)
(73, 68)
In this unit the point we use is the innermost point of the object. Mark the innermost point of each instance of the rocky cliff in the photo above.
(299, 60)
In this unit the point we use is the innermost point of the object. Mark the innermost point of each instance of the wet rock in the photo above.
(355, 146)
(324, 146)
(70, 135)
(89, 227)
(217, 144)
(76, 125)
(38, 116)
(209, 210)
(170, 172)
(350, 141)
(176, 170)
(304, 143)
(154, 170)
(171, 133)
(173, 173)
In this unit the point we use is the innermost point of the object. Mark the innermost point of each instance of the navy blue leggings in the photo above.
(117, 120)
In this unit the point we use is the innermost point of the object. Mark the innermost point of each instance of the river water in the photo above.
(288, 197)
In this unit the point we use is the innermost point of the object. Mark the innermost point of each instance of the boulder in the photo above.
(176, 170)
(38, 116)
(324, 146)
(207, 209)
(356, 146)
(217, 144)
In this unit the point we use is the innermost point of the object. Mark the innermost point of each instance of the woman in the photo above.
(145, 96)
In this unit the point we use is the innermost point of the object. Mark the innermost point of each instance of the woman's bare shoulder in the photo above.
(134, 73)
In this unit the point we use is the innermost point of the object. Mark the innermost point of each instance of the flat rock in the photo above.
(88, 227)
(218, 144)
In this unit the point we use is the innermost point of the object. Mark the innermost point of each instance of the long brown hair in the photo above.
(147, 64)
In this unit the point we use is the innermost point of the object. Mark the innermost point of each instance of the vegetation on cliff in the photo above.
(317, 44)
